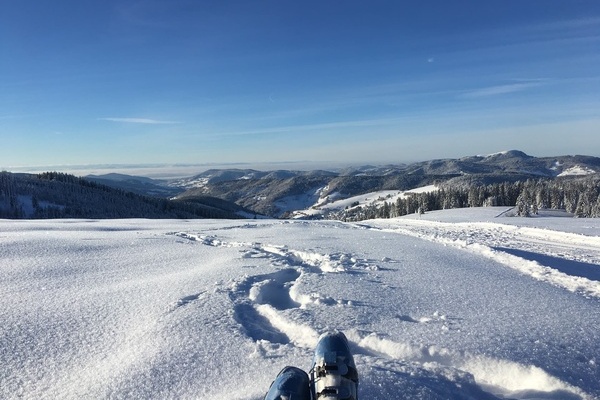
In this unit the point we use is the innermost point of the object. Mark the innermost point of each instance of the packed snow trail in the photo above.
(566, 259)
(215, 309)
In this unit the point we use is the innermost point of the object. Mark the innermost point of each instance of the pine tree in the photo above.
(523, 205)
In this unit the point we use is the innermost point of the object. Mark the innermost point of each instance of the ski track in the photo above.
(262, 305)
(549, 256)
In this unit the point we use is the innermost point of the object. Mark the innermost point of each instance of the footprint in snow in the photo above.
(271, 289)
(256, 326)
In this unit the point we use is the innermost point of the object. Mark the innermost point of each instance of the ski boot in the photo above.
(333, 373)
(291, 384)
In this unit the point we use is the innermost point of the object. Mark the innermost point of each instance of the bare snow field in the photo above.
(460, 304)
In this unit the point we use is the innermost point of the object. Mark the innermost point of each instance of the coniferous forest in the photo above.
(579, 196)
(60, 195)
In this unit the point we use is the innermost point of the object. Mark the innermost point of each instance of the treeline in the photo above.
(60, 195)
(581, 197)
(9, 199)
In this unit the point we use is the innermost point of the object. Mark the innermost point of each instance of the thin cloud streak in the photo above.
(418, 120)
(500, 89)
(312, 127)
(138, 120)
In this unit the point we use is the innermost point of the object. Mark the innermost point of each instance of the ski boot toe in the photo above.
(333, 373)
(291, 384)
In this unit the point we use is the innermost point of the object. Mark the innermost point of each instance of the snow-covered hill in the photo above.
(283, 193)
(335, 202)
(58, 195)
(460, 304)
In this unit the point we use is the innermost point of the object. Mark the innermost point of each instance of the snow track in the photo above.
(214, 309)
(567, 260)
(260, 299)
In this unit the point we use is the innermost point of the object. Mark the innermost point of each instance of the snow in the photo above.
(539, 253)
(577, 170)
(190, 183)
(300, 201)
(26, 205)
(498, 153)
(459, 304)
(336, 202)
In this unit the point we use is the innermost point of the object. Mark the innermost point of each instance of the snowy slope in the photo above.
(577, 170)
(214, 309)
(334, 202)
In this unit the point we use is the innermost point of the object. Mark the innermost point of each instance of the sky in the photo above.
(200, 82)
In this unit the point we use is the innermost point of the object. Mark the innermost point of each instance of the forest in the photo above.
(60, 195)
(578, 196)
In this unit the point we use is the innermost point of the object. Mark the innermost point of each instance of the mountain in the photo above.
(229, 193)
(277, 193)
(136, 184)
(57, 195)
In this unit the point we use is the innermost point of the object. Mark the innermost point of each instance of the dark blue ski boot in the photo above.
(291, 384)
(333, 374)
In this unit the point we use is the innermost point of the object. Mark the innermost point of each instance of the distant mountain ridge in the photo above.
(136, 184)
(272, 192)
(231, 193)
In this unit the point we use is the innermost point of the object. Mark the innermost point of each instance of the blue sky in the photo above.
(129, 82)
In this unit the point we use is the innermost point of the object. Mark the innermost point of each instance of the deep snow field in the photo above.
(458, 304)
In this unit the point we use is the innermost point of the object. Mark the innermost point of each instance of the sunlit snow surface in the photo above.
(452, 305)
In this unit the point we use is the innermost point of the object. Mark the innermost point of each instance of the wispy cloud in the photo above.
(138, 120)
(501, 89)
(316, 127)
(579, 25)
